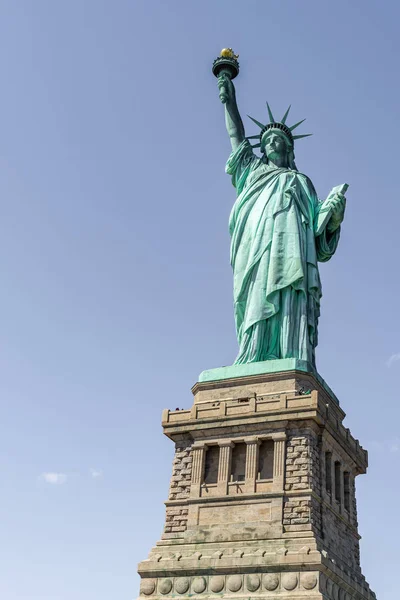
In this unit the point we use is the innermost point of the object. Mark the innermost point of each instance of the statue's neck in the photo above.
(278, 163)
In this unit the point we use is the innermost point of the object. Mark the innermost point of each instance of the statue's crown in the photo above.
(281, 125)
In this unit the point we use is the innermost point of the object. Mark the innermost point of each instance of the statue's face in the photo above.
(275, 146)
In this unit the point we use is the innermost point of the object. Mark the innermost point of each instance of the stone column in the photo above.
(279, 461)
(329, 476)
(198, 453)
(353, 502)
(337, 481)
(224, 466)
(251, 464)
(351, 489)
(342, 510)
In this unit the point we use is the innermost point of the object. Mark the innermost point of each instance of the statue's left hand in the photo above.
(338, 206)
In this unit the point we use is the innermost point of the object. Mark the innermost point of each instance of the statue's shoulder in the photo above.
(240, 157)
(305, 181)
(302, 176)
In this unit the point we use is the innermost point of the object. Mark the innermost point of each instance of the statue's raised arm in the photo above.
(233, 120)
(226, 68)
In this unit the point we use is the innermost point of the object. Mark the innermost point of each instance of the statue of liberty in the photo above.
(279, 231)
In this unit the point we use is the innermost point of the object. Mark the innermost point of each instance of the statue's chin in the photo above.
(274, 156)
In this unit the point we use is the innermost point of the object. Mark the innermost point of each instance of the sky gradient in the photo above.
(114, 246)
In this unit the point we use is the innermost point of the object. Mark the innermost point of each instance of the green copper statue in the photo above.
(279, 231)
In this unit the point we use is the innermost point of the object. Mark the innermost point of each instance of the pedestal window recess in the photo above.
(328, 472)
(266, 460)
(211, 464)
(346, 489)
(338, 490)
(238, 468)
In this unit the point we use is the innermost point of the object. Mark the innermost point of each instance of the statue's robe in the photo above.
(274, 256)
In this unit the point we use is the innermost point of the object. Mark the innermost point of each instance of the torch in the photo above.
(226, 64)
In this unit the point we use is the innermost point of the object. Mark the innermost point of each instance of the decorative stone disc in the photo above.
(290, 581)
(271, 581)
(234, 583)
(182, 585)
(165, 586)
(308, 580)
(147, 586)
(199, 585)
(252, 582)
(217, 584)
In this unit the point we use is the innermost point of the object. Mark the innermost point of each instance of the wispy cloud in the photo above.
(96, 473)
(54, 478)
(392, 359)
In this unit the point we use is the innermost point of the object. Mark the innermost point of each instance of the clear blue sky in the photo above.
(115, 276)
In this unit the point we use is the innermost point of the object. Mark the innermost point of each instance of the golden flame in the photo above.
(228, 53)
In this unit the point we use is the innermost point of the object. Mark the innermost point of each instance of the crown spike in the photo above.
(297, 137)
(253, 137)
(256, 146)
(286, 114)
(271, 116)
(296, 125)
(261, 126)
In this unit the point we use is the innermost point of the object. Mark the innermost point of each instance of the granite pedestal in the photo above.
(262, 496)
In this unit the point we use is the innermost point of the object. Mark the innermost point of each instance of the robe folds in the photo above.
(274, 256)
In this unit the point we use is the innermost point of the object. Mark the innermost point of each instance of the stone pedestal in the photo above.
(262, 496)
